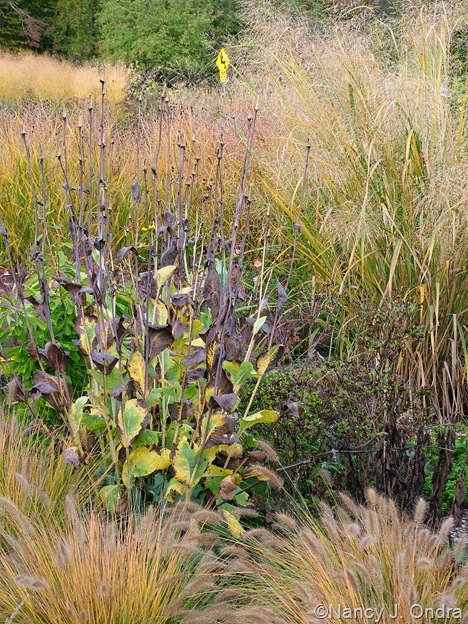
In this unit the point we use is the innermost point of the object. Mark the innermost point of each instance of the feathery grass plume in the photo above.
(269, 450)
(143, 576)
(311, 564)
(420, 511)
(206, 516)
(15, 514)
(445, 528)
(381, 211)
(424, 563)
(353, 529)
(286, 520)
(32, 477)
(264, 473)
(31, 582)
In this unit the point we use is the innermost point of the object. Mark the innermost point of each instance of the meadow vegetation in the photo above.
(219, 309)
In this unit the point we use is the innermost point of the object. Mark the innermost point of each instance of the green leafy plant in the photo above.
(15, 337)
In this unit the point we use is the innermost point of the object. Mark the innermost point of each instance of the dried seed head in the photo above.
(422, 536)
(63, 554)
(25, 524)
(424, 563)
(352, 580)
(269, 450)
(459, 550)
(350, 505)
(420, 511)
(205, 516)
(32, 583)
(368, 541)
(446, 600)
(273, 478)
(445, 529)
(286, 520)
(353, 530)
(371, 496)
(326, 476)
(459, 583)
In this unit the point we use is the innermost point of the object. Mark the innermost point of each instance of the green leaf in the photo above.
(183, 431)
(174, 487)
(264, 416)
(130, 423)
(142, 462)
(258, 324)
(163, 274)
(240, 373)
(94, 423)
(76, 413)
(148, 438)
(110, 495)
(190, 462)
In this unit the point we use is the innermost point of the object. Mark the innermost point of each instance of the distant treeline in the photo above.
(176, 38)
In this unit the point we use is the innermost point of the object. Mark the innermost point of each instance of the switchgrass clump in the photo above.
(36, 77)
(92, 569)
(371, 167)
(356, 557)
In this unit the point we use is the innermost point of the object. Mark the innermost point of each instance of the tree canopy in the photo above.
(176, 38)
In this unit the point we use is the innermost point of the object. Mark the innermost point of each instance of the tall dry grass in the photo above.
(380, 198)
(365, 148)
(29, 76)
(143, 146)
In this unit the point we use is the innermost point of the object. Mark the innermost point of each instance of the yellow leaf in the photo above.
(190, 462)
(163, 274)
(136, 369)
(210, 423)
(266, 361)
(232, 450)
(142, 462)
(217, 471)
(175, 487)
(130, 422)
(233, 524)
(197, 342)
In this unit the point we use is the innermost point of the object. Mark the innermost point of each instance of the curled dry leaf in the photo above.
(228, 488)
(160, 338)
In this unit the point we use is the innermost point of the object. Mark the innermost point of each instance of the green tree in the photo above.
(10, 27)
(76, 32)
(172, 37)
(27, 24)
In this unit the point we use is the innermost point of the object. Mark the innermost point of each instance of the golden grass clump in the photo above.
(30, 76)
(33, 478)
(357, 557)
(138, 569)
